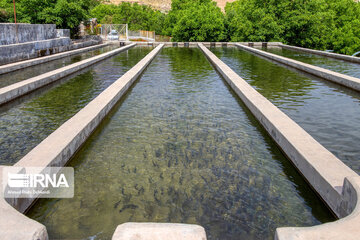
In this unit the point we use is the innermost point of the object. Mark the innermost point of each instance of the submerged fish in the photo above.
(129, 206)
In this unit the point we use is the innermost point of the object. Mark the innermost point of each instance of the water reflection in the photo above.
(180, 148)
(26, 124)
(329, 112)
(26, 73)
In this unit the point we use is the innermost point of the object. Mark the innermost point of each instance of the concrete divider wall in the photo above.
(159, 231)
(58, 148)
(323, 53)
(28, 50)
(28, 63)
(336, 183)
(209, 44)
(19, 89)
(11, 33)
(342, 79)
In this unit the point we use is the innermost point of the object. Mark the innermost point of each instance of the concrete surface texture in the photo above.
(342, 79)
(16, 226)
(26, 41)
(207, 44)
(159, 231)
(22, 51)
(58, 147)
(344, 229)
(63, 33)
(324, 172)
(11, 33)
(32, 62)
(19, 89)
(323, 53)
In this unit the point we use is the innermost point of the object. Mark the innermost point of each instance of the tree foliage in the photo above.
(320, 24)
(64, 13)
(138, 17)
(195, 20)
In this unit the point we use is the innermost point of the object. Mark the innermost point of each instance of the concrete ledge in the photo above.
(343, 229)
(159, 231)
(323, 53)
(27, 50)
(19, 89)
(16, 226)
(28, 63)
(208, 44)
(324, 172)
(342, 79)
(59, 147)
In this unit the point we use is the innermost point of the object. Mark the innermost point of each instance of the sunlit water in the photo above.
(329, 112)
(337, 65)
(181, 147)
(26, 73)
(26, 123)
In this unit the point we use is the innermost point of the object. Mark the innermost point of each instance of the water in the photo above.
(181, 147)
(26, 73)
(25, 124)
(329, 112)
(337, 65)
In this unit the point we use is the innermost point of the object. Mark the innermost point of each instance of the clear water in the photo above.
(26, 123)
(329, 112)
(337, 65)
(181, 147)
(26, 73)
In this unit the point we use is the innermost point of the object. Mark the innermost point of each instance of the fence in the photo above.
(121, 32)
(141, 35)
(114, 32)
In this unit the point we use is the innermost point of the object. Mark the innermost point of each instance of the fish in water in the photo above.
(128, 206)
(117, 204)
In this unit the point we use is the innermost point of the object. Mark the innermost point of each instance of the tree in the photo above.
(138, 17)
(199, 20)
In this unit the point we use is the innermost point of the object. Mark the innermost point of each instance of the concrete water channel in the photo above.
(29, 72)
(32, 118)
(180, 146)
(337, 65)
(328, 111)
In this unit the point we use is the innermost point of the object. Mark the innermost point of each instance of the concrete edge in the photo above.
(159, 231)
(323, 53)
(58, 148)
(16, 226)
(342, 79)
(19, 89)
(207, 44)
(325, 173)
(344, 229)
(32, 62)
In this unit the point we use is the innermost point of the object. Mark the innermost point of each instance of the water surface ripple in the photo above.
(26, 73)
(336, 65)
(180, 147)
(329, 112)
(24, 125)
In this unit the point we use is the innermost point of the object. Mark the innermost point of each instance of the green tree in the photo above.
(138, 17)
(199, 20)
